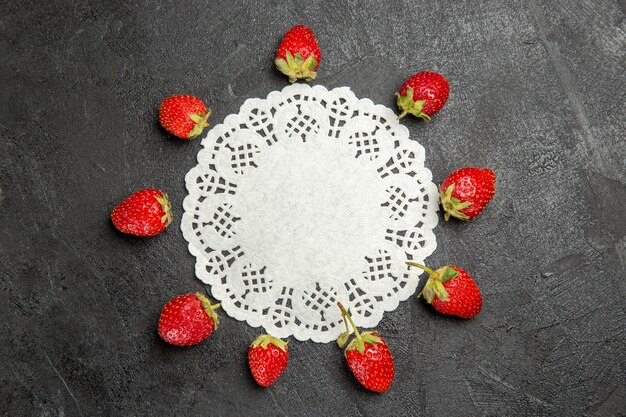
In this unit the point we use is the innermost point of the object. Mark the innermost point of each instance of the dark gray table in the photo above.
(538, 94)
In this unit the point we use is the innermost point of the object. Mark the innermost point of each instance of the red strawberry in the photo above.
(184, 116)
(451, 290)
(267, 357)
(144, 213)
(368, 356)
(466, 192)
(298, 54)
(423, 95)
(188, 319)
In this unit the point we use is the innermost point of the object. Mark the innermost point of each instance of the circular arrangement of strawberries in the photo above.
(189, 319)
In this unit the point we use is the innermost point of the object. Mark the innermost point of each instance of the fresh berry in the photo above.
(267, 357)
(184, 116)
(466, 192)
(144, 213)
(423, 95)
(188, 319)
(298, 54)
(368, 356)
(451, 290)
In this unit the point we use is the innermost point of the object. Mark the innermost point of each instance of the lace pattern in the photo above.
(304, 199)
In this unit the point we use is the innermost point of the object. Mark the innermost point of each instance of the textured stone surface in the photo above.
(538, 94)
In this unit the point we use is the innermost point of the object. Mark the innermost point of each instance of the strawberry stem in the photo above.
(345, 315)
(404, 113)
(209, 308)
(425, 268)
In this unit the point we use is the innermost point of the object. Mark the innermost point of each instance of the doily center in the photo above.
(298, 219)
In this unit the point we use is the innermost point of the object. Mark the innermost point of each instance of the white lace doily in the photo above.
(304, 199)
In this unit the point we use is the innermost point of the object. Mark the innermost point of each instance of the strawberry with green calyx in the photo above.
(144, 213)
(423, 95)
(267, 357)
(184, 116)
(188, 319)
(298, 54)
(465, 193)
(368, 356)
(451, 290)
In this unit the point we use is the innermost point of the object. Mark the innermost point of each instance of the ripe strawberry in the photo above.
(188, 319)
(267, 357)
(466, 192)
(368, 356)
(298, 54)
(451, 290)
(144, 213)
(423, 95)
(184, 116)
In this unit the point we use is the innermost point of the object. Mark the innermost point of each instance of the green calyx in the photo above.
(200, 121)
(265, 340)
(452, 205)
(410, 106)
(209, 308)
(371, 338)
(296, 67)
(166, 206)
(360, 339)
(434, 285)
